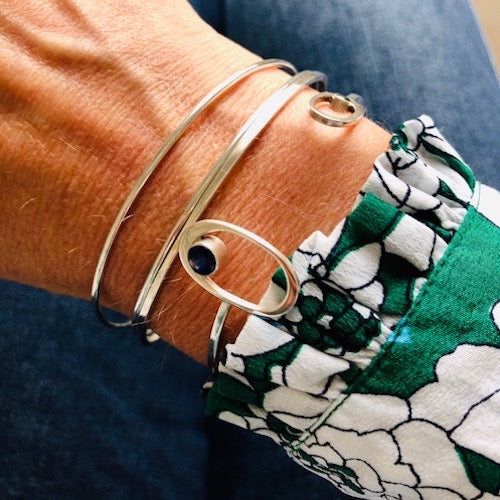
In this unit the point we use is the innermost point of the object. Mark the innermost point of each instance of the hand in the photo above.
(88, 93)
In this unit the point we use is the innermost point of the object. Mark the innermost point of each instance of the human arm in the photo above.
(89, 95)
(391, 416)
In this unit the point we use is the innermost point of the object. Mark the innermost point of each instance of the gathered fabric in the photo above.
(385, 377)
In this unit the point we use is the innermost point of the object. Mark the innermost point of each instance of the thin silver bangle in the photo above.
(221, 169)
(343, 111)
(166, 147)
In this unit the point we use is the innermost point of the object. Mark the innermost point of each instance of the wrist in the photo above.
(100, 115)
(186, 164)
(298, 177)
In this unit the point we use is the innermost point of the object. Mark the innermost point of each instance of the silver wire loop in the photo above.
(348, 111)
(208, 226)
(166, 147)
(221, 169)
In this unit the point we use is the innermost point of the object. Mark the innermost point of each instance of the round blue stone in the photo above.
(202, 260)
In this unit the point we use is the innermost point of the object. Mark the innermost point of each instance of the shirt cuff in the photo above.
(390, 311)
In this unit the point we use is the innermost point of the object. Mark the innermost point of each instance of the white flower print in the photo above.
(390, 443)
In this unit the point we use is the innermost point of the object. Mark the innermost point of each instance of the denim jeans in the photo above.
(87, 412)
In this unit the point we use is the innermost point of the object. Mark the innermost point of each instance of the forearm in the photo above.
(91, 110)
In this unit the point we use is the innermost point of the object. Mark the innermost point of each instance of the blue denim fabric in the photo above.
(405, 57)
(86, 412)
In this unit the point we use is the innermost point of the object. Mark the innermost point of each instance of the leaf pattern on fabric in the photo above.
(313, 381)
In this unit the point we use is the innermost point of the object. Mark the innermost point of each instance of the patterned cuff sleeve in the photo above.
(385, 377)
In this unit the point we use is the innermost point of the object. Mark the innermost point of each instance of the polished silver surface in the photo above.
(325, 107)
(209, 226)
(220, 170)
(204, 229)
(342, 110)
(166, 147)
(215, 335)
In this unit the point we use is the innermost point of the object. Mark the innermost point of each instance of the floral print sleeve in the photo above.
(385, 377)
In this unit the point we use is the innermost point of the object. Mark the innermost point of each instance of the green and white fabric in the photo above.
(385, 377)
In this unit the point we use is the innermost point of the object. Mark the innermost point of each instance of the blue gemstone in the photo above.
(202, 260)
